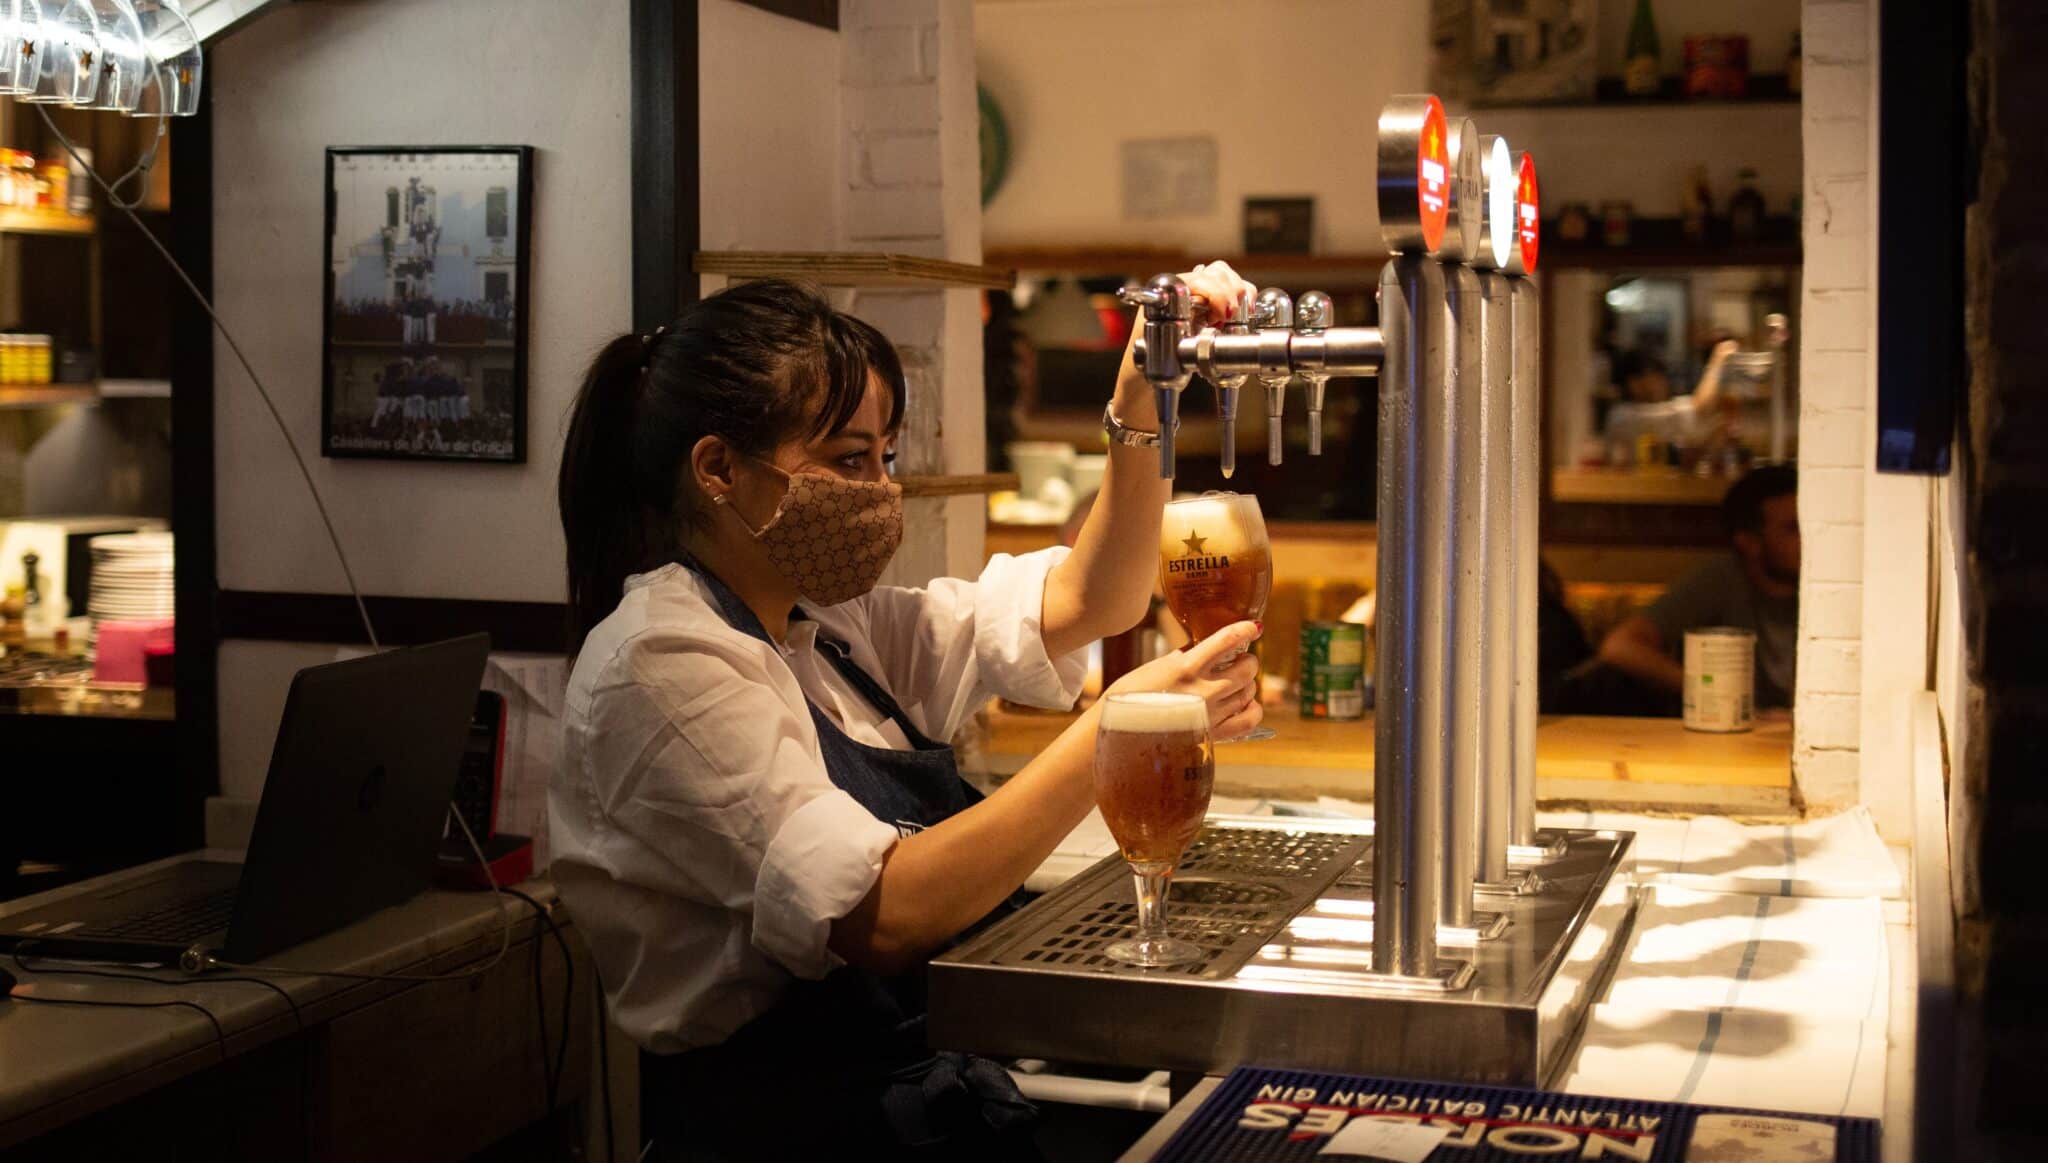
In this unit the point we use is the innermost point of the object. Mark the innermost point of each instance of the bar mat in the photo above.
(1261, 1114)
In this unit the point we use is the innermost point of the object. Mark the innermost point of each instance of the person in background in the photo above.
(1561, 645)
(1754, 587)
(1650, 409)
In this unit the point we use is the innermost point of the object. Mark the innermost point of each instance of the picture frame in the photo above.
(1279, 225)
(424, 313)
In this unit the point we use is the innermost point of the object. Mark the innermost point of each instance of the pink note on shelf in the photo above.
(119, 654)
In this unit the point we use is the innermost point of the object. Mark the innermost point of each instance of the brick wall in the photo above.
(1864, 594)
(1836, 386)
(911, 177)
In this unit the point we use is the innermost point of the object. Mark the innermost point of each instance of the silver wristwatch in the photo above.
(1129, 437)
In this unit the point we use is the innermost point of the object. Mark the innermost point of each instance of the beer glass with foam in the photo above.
(1216, 565)
(1153, 770)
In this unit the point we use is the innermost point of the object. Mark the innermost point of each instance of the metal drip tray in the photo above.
(1284, 913)
(1235, 890)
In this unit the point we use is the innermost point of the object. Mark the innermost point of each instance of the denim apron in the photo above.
(840, 1066)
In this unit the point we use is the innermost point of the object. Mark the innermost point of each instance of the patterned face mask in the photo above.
(832, 537)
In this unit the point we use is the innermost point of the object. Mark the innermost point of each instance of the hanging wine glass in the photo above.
(19, 21)
(66, 49)
(173, 47)
(124, 58)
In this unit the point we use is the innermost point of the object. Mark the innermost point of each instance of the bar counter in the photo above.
(1581, 759)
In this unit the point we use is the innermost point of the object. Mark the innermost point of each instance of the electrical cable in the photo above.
(604, 1070)
(204, 961)
(298, 1018)
(561, 1052)
(219, 1035)
(363, 610)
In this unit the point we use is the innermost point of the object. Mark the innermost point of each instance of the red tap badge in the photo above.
(1433, 175)
(1528, 219)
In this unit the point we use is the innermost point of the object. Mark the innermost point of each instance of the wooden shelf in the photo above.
(967, 485)
(851, 269)
(1610, 93)
(46, 395)
(17, 221)
(1660, 243)
(1622, 486)
(135, 389)
(1138, 262)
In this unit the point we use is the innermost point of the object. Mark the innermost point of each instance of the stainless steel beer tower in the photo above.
(1325, 941)
(1458, 353)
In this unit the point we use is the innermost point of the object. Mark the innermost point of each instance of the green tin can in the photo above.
(1332, 670)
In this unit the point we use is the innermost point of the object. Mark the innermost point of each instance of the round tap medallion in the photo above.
(1433, 174)
(1498, 174)
(1528, 219)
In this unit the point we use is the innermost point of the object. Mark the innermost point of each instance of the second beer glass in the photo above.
(1153, 771)
(1216, 566)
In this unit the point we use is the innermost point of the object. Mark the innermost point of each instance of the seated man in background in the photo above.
(1755, 587)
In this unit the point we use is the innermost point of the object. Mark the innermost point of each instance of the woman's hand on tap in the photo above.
(1220, 295)
(1219, 292)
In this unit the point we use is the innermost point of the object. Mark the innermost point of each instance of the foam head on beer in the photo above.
(1153, 772)
(1156, 713)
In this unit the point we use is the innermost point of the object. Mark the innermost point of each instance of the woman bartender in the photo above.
(755, 821)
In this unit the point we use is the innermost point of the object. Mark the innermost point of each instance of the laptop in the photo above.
(352, 814)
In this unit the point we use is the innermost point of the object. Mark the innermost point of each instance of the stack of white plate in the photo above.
(132, 577)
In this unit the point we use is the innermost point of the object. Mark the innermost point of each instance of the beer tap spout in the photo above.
(1169, 313)
(1312, 316)
(1273, 318)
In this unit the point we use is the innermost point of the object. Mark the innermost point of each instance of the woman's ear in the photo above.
(711, 467)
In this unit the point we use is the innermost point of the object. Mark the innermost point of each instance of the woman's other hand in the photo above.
(1219, 670)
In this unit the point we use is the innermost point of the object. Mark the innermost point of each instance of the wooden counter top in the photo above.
(1613, 762)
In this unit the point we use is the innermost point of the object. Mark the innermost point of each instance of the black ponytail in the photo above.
(757, 364)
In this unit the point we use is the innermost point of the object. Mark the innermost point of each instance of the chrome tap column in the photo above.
(1496, 641)
(1412, 608)
(1462, 681)
(1525, 452)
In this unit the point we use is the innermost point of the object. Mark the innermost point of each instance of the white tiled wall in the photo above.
(1863, 616)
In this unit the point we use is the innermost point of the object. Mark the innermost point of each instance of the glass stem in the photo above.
(1151, 882)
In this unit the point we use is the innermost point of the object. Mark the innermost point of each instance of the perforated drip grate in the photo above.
(1236, 888)
(1263, 853)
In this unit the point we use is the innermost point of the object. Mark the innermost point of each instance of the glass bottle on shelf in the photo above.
(1643, 70)
(1696, 206)
(1794, 67)
(1746, 208)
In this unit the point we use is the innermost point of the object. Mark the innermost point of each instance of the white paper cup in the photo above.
(1038, 461)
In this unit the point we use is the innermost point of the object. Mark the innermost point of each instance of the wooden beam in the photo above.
(665, 163)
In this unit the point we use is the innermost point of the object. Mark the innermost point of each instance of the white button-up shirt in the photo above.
(697, 839)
